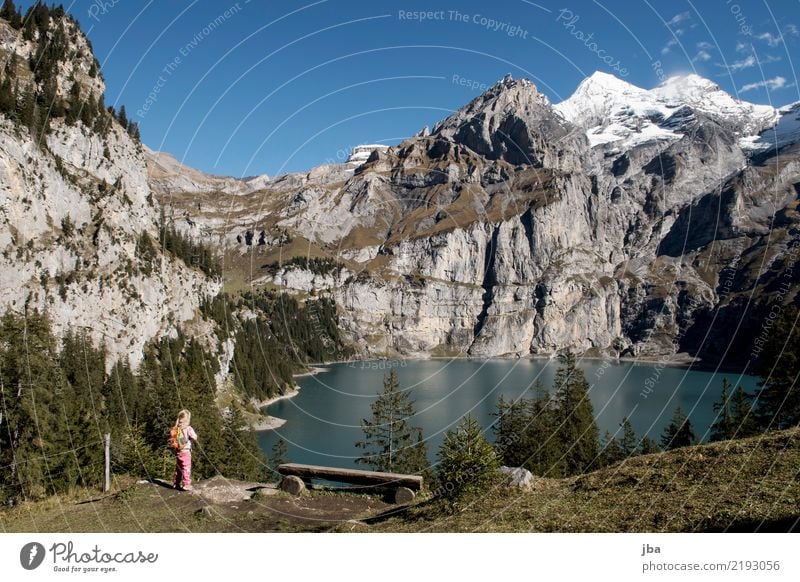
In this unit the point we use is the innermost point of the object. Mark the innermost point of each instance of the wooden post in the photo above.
(107, 480)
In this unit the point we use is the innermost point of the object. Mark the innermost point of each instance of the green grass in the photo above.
(742, 485)
(733, 485)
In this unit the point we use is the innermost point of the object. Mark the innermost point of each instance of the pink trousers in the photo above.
(183, 470)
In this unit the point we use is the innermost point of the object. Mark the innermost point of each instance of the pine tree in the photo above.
(577, 430)
(74, 104)
(648, 446)
(83, 368)
(391, 444)
(88, 112)
(280, 455)
(33, 424)
(467, 463)
(526, 435)
(132, 454)
(8, 99)
(510, 430)
(723, 428)
(10, 13)
(743, 418)
(628, 442)
(134, 132)
(242, 458)
(679, 432)
(125, 403)
(778, 398)
(123, 118)
(28, 111)
(610, 450)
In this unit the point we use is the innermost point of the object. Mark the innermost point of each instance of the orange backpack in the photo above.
(177, 439)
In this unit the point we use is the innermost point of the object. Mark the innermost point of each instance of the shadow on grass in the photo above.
(410, 512)
(162, 483)
(784, 525)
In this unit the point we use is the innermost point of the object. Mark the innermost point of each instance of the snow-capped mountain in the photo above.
(613, 111)
(785, 132)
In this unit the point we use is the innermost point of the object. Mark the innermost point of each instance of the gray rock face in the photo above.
(512, 121)
(168, 176)
(71, 215)
(518, 227)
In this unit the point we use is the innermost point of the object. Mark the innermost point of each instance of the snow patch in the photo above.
(612, 110)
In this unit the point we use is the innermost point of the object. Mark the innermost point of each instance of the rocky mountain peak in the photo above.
(362, 153)
(597, 96)
(689, 84)
(506, 93)
(514, 122)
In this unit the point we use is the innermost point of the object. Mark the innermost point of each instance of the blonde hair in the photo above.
(184, 418)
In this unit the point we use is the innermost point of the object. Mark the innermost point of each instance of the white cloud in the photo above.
(668, 47)
(742, 47)
(678, 18)
(701, 56)
(767, 60)
(770, 84)
(772, 40)
(792, 30)
(747, 62)
(704, 46)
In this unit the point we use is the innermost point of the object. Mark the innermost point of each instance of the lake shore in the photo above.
(268, 422)
(681, 360)
(315, 370)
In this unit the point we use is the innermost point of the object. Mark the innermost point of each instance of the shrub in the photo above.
(467, 463)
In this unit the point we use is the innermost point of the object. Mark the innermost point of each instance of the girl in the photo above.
(181, 437)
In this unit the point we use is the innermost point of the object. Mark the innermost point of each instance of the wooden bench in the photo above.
(403, 486)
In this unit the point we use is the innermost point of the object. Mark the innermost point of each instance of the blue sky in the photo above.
(250, 87)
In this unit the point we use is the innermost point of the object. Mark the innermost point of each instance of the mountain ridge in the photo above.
(505, 231)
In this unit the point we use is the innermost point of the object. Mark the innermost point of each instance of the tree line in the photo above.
(192, 252)
(33, 102)
(278, 338)
(56, 399)
(56, 402)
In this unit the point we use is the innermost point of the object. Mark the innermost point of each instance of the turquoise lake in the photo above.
(323, 420)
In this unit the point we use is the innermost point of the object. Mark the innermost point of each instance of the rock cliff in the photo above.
(74, 204)
(622, 221)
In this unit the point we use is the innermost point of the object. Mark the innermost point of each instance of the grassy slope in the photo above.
(743, 485)
(736, 485)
